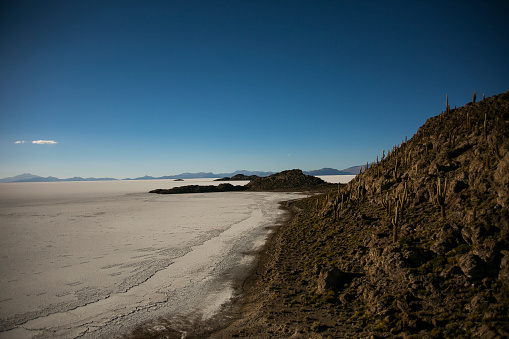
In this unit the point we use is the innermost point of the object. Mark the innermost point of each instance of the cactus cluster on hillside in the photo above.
(416, 245)
(441, 265)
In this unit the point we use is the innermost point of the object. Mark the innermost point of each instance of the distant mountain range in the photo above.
(27, 177)
(204, 175)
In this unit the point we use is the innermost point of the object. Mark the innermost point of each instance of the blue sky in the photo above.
(128, 88)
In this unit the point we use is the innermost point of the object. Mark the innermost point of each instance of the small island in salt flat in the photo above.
(291, 180)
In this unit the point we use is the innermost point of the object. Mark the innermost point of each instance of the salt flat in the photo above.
(88, 258)
(343, 179)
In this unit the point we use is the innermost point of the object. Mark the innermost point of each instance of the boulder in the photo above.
(472, 266)
(331, 278)
(447, 239)
(474, 234)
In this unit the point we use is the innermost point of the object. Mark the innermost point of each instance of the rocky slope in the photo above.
(346, 266)
(416, 246)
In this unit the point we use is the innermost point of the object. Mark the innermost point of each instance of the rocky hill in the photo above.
(238, 177)
(415, 246)
(293, 180)
(226, 187)
(286, 180)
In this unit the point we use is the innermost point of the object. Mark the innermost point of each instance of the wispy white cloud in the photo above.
(20, 142)
(44, 142)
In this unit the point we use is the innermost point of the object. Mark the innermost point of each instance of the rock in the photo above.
(472, 266)
(503, 273)
(389, 262)
(458, 150)
(485, 254)
(433, 169)
(447, 239)
(331, 278)
(415, 258)
(478, 303)
(458, 186)
(410, 321)
(406, 230)
(376, 240)
(448, 272)
(502, 180)
(486, 332)
(474, 234)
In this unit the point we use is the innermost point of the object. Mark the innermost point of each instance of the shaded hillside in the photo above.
(339, 269)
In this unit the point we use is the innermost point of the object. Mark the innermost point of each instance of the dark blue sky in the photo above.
(128, 88)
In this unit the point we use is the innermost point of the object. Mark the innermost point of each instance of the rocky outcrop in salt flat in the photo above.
(286, 180)
(200, 189)
(239, 177)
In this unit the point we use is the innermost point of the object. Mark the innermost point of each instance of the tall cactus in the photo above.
(394, 222)
(441, 196)
(387, 204)
(402, 199)
(396, 170)
(485, 131)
